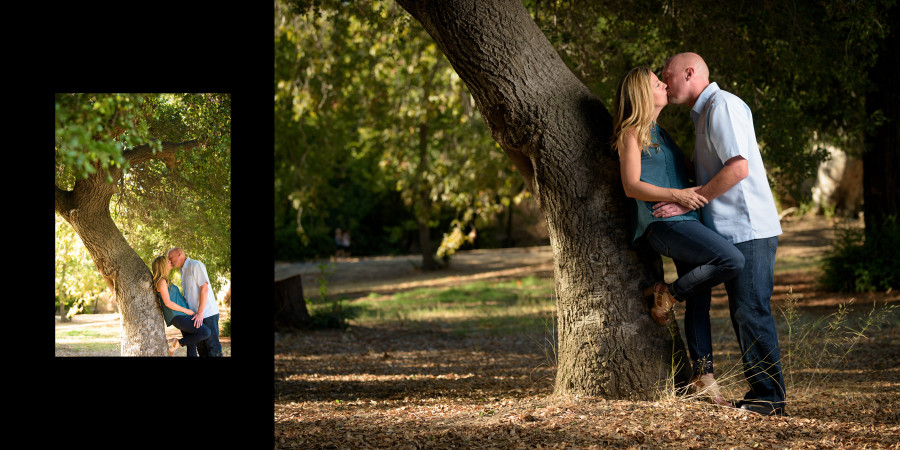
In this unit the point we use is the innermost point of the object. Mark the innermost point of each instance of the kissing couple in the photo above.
(195, 313)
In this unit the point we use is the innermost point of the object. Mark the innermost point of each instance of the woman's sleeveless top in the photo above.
(664, 168)
(176, 297)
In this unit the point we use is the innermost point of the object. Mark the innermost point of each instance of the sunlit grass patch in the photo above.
(83, 343)
(487, 305)
(87, 336)
(83, 333)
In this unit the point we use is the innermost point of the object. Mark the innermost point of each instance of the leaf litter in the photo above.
(422, 385)
(431, 389)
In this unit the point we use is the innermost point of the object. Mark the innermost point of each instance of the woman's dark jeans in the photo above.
(703, 260)
(191, 335)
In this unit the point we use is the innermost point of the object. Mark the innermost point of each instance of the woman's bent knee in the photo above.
(735, 262)
(203, 332)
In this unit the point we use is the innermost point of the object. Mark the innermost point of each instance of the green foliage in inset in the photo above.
(156, 207)
(92, 130)
(77, 279)
(226, 328)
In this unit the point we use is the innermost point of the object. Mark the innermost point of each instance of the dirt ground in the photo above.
(402, 387)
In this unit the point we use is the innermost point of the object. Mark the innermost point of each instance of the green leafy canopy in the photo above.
(156, 207)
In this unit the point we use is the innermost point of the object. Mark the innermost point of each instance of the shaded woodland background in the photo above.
(472, 364)
(411, 166)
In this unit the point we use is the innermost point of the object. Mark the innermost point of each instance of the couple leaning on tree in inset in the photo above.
(195, 313)
(722, 229)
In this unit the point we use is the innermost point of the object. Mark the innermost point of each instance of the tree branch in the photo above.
(64, 202)
(68, 201)
(144, 152)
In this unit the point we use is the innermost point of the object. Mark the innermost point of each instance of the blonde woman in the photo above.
(654, 170)
(175, 308)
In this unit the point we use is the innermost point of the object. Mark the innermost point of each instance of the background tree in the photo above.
(98, 138)
(344, 83)
(336, 63)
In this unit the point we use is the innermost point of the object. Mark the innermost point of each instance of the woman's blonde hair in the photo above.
(159, 270)
(633, 109)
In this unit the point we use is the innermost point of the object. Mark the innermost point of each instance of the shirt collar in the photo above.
(700, 104)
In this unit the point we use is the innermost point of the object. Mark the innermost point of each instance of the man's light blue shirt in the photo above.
(193, 275)
(724, 129)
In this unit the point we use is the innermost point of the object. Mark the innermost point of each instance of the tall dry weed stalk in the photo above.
(818, 346)
(814, 346)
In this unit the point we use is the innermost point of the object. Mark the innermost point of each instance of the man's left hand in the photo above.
(665, 210)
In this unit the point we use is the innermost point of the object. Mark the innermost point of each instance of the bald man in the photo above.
(200, 298)
(730, 171)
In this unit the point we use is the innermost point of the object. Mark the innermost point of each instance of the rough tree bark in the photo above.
(557, 133)
(86, 208)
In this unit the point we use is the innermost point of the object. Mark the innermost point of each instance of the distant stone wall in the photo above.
(839, 183)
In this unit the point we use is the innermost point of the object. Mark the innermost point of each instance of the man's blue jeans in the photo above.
(751, 315)
(211, 346)
(703, 259)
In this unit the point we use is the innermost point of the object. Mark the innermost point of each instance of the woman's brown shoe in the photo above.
(662, 302)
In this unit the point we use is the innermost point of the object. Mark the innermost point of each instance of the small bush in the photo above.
(863, 263)
(337, 315)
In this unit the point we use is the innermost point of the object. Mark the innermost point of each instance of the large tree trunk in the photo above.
(881, 160)
(557, 133)
(86, 208)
